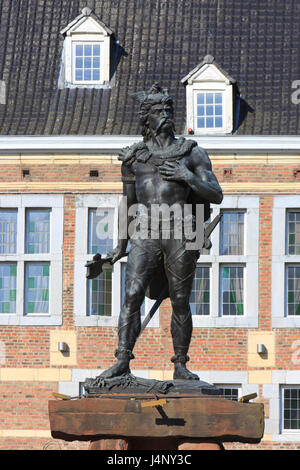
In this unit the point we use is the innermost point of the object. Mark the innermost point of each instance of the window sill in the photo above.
(287, 437)
(286, 322)
(30, 320)
(86, 85)
(222, 322)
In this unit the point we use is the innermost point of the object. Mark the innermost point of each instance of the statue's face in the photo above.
(160, 118)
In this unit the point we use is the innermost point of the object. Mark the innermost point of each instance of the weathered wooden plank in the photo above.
(202, 417)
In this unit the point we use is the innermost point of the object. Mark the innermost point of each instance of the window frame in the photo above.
(284, 431)
(228, 386)
(250, 205)
(54, 258)
(280, 259)
(76, 42)
(209, 130)
(209, 79)
(83, 204)
(86, 31)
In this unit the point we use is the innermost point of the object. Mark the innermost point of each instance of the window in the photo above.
(200, 295)
(99, 293)
(209, 98)
(232, 233)
(86, 57)
(230, 392)
(290, 408)
(292, 294)
(225, 268)
(8, 287)
(293, 232)
(31, 259)
(100, 301)
(8, 231)
(232, 290)
(100, 236)
(209, 110)
(37, 287)
(86, 52)
(37, 231)
(286, 262)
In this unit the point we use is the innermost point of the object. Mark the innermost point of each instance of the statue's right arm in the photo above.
(129, 198)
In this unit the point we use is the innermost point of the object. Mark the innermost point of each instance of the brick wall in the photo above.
(23, 406)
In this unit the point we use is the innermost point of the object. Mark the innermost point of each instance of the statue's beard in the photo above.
(166, 125)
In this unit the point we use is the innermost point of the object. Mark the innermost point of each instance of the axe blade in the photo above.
(95, 266)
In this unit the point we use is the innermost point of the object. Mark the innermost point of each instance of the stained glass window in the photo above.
(37, 231)
(37, 287)
(199, 298)
(99, 294)
(8, 231)
(8, 287)
(100, 236)
(232, 233)
(293, 233)
(232, 290)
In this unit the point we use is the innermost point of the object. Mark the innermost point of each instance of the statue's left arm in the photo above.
(199, 176)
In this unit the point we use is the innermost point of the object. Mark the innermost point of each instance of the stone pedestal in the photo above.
(153, 444)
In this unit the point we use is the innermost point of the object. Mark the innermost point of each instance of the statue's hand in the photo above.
(175, 171)
(116, 254)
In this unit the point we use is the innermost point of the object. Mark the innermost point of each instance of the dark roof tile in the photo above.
(164, 40)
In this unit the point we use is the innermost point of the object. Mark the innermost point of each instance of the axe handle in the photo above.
(154, 307)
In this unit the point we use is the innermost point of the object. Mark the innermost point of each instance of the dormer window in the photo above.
(86, 54)
(209, 97)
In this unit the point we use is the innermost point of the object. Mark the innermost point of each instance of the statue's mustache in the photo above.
(162, 122)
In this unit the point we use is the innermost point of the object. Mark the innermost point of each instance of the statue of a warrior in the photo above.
(161, 169)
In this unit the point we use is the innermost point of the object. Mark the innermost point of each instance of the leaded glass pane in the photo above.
(293, 233)
(37, 288)
(232, 290)
(101, 229)
(292, 292)
(8, 287)
(199, 298)
(99, 296)
(232, 233)
(8, 231)
(291, 408)
(123, 272)
(37, 231)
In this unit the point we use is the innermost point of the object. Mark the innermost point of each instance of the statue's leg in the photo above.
(180, 269)
(141, 263)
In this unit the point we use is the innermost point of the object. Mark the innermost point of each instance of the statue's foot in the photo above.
(120, 368)
(182, 373)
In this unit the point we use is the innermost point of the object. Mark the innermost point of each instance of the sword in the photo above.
(206, 244)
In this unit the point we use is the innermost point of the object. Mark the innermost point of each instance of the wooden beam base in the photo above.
(130, 422)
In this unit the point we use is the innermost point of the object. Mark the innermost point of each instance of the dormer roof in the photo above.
(87, 16)
(207, 61)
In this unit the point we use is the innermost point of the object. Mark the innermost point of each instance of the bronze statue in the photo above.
(160, 170)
